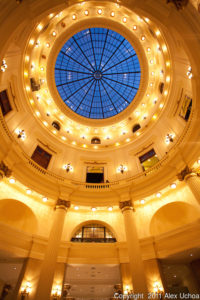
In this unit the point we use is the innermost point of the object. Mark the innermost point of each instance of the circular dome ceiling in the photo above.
(97, 73)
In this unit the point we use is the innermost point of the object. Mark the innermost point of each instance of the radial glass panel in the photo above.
(97, 73)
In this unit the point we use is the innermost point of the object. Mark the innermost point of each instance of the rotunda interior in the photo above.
(99, 149)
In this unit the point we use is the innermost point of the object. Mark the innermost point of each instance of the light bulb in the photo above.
(173, 185)
(12, 180)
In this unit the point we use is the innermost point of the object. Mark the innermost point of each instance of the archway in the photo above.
(172, 216)
(93, 231)
(18, 215)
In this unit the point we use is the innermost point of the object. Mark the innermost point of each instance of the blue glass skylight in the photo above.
(97, 73)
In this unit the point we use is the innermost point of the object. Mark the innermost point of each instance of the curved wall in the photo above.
(18, 215)
(172, 216)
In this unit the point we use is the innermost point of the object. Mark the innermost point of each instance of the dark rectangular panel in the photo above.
(186, 108)
(41, 157)
(5, 103)
(95, 177)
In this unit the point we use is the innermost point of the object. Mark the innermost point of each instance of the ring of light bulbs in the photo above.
(45, 107)
(94, 209)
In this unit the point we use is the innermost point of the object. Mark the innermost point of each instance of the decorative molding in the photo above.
(186, 171)
(180, 4)
(4, 170)
(98, 161)
(178, 104)
(12, 98)
(95, 162)
(63, 204)
(47, 146)
(126, 205)
(143, 150)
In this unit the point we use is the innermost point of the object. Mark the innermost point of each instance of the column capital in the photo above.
(63, 204)
(186, 173)
(4, 170)
(126, 205)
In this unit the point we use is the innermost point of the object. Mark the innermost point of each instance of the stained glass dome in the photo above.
(97, 73)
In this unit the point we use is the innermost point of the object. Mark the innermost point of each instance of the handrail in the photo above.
(96, 186)
(93, 240)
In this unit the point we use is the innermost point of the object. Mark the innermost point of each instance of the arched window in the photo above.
(95, 140)
(161, 87)
(136, 127)
(56, 125)
(93, 233)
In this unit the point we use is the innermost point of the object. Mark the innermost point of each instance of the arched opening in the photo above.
(93, 232)
(172, 216)
(161, 87)
(136, 127)
(95, 140)
(56, 125)
(18, 215)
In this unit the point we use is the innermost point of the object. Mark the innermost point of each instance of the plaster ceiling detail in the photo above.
(152, 51)
(156, 111)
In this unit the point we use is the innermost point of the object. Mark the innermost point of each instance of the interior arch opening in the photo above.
(93, 233)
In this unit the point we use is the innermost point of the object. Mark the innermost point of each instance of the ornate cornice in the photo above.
(63, 204)
(126, 205)
(4, 170)
(180, 4)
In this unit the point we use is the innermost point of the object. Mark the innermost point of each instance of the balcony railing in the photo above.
(93, 240)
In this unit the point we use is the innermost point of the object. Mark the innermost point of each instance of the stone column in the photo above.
(134, 251)
(4, 171)
(49, 264)
(192, 179)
